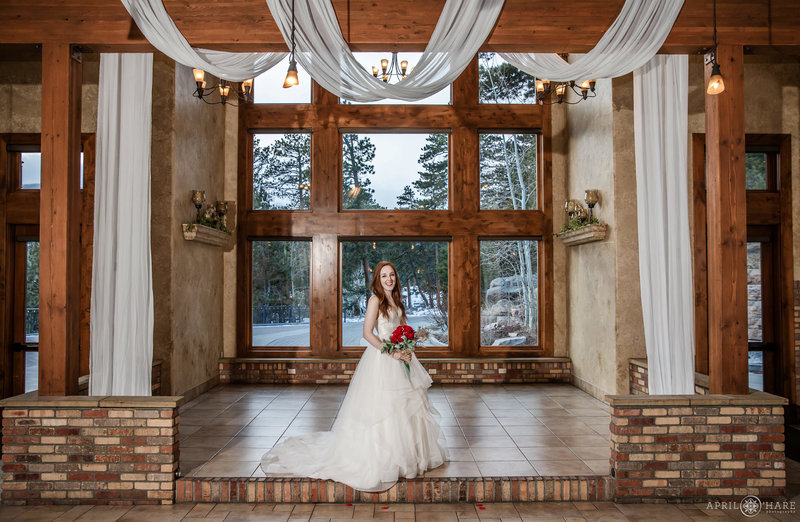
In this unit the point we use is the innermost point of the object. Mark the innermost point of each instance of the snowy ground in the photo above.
(298, 334)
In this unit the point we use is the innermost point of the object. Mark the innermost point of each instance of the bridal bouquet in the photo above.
(402, 339)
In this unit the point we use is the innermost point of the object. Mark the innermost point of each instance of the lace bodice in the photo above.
(385, 326)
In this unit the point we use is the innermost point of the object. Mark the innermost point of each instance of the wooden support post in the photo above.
(59, 214)
(727, 227)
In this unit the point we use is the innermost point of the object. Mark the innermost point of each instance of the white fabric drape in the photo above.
(322, 51)
(159, 29)
(634, 38)
(122, 280)
(660, 102)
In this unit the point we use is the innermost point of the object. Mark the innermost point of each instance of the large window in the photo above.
(454, 195)
(508, 171)
(422, 268)
(501, 82)
(280, 293)
(509, 293)
(281, 171)
(391, 171)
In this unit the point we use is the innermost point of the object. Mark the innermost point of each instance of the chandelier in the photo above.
(548, 92)
(224, 88)
(391, 70)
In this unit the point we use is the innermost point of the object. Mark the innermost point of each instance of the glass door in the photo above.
(25, 313)
(762, 291)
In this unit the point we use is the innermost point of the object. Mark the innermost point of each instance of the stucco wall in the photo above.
(197, 269)
(591, 267)
(21, 95)
(162, 220)
(628, 321)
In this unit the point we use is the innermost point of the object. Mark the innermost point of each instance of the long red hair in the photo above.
(377, 289)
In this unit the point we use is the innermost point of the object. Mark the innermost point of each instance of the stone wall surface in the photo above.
(695, 448)
(89, 450)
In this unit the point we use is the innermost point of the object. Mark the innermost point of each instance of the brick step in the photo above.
(442, 371)
(419, 490)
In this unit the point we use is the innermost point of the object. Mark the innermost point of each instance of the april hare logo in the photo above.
(750, 506)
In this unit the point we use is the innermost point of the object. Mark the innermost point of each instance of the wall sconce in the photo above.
(574, 209)
(198, 198)
(592, 197)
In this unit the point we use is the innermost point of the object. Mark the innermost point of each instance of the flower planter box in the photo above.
(586, 234)
(207, 235)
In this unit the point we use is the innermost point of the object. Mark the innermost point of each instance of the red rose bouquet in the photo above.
(402, 339)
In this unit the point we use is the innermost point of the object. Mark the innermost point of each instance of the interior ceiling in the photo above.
(524, 25)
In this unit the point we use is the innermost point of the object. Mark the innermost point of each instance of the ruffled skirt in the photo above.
(385, 430)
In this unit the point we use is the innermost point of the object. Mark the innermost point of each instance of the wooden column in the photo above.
(59, 214)
(727, 227)
(326, 190)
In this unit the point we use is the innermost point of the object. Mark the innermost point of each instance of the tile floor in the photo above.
(491, 430)
(498, 512)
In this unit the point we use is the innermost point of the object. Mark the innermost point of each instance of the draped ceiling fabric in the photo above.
(660, 110)
(121, 357)
(462, 28)
(156, 25)
(632, 40)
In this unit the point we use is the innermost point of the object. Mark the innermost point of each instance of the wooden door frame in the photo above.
(21, 208)
(763, 208)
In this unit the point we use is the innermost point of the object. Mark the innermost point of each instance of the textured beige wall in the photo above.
(591, 267)
(21, 95)
(229, 285)
(559, 152)
(628, 323)
(162, 220)
(197, 269)
(772, 106)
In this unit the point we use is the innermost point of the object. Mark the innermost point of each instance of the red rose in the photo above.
(408, 331)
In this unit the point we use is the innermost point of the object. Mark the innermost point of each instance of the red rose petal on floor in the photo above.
(385, 507)
(481, 507)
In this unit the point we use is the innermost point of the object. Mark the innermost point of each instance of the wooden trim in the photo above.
(87, 251)
(546, 270)
(6, 277)
(700, 259)
(785, 313)
(244, 195)
(523, 26)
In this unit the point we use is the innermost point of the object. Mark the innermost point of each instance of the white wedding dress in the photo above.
(385, 428)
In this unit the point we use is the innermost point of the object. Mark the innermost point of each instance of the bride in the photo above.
(385, 427)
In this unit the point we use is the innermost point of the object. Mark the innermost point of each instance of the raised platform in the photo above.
(425, 490)
(507, 442)
(442, 371)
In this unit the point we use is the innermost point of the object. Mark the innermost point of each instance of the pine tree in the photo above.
(357, 157)
(282, 173)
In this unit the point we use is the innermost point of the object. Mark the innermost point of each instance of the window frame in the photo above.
(463, 225)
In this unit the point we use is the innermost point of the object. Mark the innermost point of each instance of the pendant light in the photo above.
(715, 84)
(291, 75)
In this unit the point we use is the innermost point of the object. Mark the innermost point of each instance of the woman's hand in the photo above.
(397, 355)
(406, 357)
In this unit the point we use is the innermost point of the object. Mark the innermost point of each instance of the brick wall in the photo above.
(695, 448)
(639, 385)
(89, 450)
(445, 371)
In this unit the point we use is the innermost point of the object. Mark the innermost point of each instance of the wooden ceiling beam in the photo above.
(524, 25)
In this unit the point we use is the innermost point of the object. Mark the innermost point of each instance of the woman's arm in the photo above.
(370, 319)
